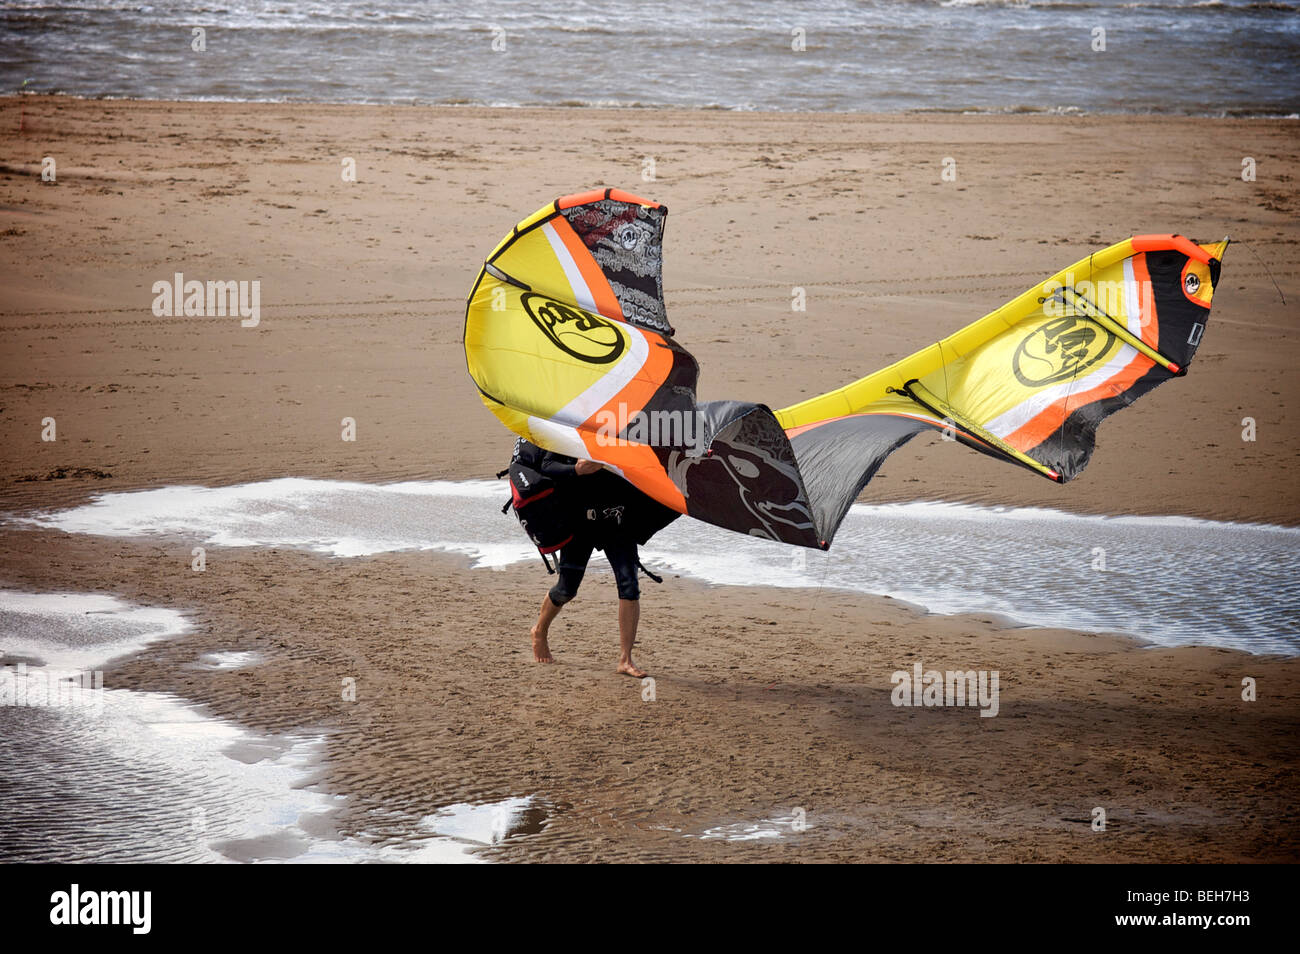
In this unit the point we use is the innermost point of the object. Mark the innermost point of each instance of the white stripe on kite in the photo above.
(1011, 421)
(581, 293)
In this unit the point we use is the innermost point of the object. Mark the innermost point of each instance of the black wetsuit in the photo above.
(608, 514)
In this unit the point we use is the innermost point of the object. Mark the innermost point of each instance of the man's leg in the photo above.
(541, 649)
(622, 559)
(573, 564)
(629, 615)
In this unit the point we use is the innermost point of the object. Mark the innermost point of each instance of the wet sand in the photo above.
(766, 701)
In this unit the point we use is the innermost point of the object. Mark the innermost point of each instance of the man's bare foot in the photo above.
(541, 651)
(629, 669)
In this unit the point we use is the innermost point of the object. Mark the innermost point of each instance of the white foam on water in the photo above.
(1168, 580)
(337, 518)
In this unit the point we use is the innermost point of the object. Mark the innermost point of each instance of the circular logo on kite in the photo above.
(1059, 350)
(579, 333)
(1192, 282)
(628, 238)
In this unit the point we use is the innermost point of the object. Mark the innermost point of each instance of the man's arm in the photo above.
(559, 468)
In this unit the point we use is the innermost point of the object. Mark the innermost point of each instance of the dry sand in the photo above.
(766, 701)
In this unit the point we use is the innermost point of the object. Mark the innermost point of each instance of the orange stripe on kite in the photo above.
(604, 297)
(636, 394)
(595, 195)
(579, 198)
(641, 465)
(633, 397)
(618, 195)
(1047, 421)
(1161, 243)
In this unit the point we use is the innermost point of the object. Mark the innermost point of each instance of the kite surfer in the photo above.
(609, 514)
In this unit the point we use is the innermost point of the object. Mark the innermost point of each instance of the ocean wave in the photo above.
(1015, 109)
(1184, 5)
(869, 57)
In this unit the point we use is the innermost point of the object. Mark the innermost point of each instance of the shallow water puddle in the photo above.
(226, 661)
(1169, 580)
(767, 828)
(93, 773)
(491, 823)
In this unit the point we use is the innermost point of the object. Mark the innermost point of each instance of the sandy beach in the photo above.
(766, 701)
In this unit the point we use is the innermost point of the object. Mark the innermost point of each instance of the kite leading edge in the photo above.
(568, 340)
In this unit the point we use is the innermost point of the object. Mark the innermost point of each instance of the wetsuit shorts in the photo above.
(573, 565)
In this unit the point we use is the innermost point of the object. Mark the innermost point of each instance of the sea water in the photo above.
(1198, 57)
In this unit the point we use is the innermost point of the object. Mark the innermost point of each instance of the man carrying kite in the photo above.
(607, 513)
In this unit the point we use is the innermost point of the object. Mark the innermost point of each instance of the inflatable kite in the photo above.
(567, 338)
